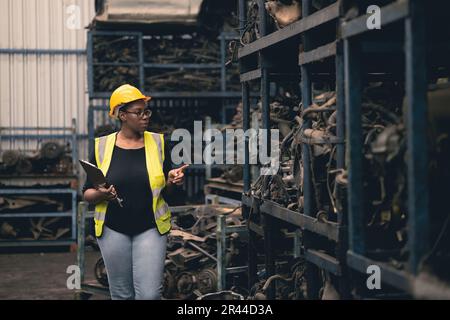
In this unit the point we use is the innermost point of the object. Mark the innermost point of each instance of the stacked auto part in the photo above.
(51, 158)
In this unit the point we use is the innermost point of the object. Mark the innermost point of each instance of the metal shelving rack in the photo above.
(313, 54)
(87, 288)
(68, 133)
(221, 236)
(167, 98)
(172, 98)
(351, 257)
(142, 65)
(409, 18)
(223, 99)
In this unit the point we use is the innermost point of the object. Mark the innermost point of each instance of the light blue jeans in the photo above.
(135, 265)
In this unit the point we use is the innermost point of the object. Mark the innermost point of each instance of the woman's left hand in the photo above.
(176, 176)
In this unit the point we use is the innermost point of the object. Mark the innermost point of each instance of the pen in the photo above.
(119, 201)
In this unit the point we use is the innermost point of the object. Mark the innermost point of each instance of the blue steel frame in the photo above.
(351, 253)
(411, 14)
(71, 134)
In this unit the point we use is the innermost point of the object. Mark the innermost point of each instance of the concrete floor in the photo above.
(36, 276)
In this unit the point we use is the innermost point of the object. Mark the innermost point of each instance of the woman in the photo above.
(131, 217)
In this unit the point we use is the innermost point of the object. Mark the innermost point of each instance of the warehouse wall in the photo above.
(43, 89)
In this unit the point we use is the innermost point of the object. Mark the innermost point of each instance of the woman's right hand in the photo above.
(100, 194)
(108, 193)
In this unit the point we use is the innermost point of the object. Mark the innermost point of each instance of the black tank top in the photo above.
(128, 173)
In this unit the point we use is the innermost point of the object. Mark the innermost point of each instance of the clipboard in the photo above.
(96, 177)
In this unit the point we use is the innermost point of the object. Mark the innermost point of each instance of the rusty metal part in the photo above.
(42, 228)
(51, 150)
(7, 230)
(251, 30)
(275, 277)
(169, 285)
(222, 295)
(283, 13)
(196, 247)
(233, 173)
(186, 283)
(389, 142)
(13, 203)
(340, 191)
(11, 157)
(290, 282)
(151, 12)
(191, 261)
(182, 256)
(207, 280)
(194, 48)
(100, 272)
(186, 236)
(314, 136)
(24, 166)
(329, 292)
(64, 165)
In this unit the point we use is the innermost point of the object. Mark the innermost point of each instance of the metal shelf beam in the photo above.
(330, 230)
(179, 94)
(323, 52)
(292, 31)
(36, 243)
(324, 261)
(35, 214)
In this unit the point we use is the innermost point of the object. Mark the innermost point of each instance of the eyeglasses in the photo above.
(146, 112)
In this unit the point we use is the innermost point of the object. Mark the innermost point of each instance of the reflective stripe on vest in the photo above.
(154, 158)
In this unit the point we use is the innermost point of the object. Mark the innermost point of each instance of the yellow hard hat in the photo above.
(124, 94)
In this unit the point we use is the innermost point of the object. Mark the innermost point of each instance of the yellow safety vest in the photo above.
(154, 158)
